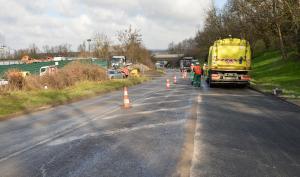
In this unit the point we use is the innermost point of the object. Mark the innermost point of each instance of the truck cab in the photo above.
(185, 64)
(118, 61)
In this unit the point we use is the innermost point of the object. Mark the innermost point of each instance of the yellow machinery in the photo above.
(135, 73)
(229, 61)
(25, 73)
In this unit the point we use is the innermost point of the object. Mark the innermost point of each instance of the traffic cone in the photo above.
(168, 84)
(126, 99)
(175, 80)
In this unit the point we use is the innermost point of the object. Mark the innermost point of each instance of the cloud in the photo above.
(53, 22)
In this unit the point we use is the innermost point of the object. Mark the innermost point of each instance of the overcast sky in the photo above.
(53, 22)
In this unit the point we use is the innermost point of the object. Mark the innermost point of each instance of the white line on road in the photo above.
(196, 154)
(70, 129)
(231, 95)
(144, 112)
(114, 132)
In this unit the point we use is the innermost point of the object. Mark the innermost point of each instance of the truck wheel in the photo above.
(246, 85)
(207, 80)
(210, 84)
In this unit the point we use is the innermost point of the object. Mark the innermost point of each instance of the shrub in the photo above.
(67, 76)
(15, 79)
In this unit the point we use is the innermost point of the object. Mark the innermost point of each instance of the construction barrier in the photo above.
(168, 84)
(126, 99)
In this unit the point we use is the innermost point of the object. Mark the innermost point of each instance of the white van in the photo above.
(48, 70)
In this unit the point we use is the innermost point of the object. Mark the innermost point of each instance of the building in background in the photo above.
(4, 51)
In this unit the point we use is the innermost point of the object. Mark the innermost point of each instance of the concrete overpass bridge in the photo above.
(172, 59)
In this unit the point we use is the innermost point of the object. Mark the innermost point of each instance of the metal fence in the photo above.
(10, 62)
(34, 68)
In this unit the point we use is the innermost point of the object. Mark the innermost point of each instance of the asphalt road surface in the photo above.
(181, 131)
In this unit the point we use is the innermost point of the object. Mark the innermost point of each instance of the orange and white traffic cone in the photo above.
(175, 80)
(168, 84)
(126, 99)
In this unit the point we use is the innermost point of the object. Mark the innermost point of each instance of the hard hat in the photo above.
(197, 63)
(192, 64)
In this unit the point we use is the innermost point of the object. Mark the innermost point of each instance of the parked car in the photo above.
(114, 74)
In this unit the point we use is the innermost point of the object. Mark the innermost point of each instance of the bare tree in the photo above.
(131, 41)
(131, 46)
(82, 49)
(101, 45)
(33, 51)
(293, 10)
(46, 49)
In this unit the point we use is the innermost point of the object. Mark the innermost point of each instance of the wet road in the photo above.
(183, 131)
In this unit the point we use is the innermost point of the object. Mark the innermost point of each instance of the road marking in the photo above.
(159, 102)
(196, 153)
(60, 134)
(231, 95)
(70, 128)
(185, 162)
(199, 100)
(114, 132)
(144, 112)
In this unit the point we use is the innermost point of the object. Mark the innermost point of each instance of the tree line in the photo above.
(130, 44)
(267, 25)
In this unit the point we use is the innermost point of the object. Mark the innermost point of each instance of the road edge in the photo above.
(251, 87)
(74, 100)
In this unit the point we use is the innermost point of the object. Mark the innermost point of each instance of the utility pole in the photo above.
(89, 41)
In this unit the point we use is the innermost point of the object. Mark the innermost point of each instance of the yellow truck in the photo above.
(229, 62)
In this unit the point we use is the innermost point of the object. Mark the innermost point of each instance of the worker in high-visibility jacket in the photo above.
(197, 75)
(192, 73)
(125, 70)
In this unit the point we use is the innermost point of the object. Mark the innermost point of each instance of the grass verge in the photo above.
(270, 71)
(19, 102)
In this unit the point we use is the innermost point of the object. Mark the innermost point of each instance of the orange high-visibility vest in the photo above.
(197, 70)
(126, 71)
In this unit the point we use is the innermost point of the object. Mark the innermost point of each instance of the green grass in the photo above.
(271, 71)
(27, 101)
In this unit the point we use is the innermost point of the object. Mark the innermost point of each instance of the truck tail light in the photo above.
(245, 77)
(215, 76)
